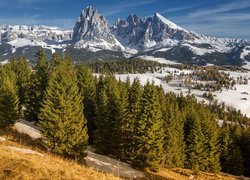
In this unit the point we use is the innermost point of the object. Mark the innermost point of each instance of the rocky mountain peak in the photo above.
(90, 24)
(92, 30)
(134, 20)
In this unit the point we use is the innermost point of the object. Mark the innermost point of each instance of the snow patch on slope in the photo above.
(4, 62)
(162, 50)
(198, 51)
(245, 52)
(160, 60)
(247, 66)
(169, 23)
(21, 42)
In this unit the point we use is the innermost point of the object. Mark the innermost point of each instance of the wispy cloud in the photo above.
(177, 9)
(226, 20)
(124, 6)
(235, 5)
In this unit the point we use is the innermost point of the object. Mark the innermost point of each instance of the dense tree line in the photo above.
(134, 123)
(125, 66)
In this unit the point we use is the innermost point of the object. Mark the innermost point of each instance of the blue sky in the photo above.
(221, 18)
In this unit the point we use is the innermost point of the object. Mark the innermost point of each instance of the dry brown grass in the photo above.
(185, 174)
(15, 165)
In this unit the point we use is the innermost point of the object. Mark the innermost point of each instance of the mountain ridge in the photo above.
(152, 36)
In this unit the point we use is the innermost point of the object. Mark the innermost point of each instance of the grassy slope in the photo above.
(15, 165)
(184, 174)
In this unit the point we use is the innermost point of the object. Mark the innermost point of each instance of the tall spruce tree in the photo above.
(87, 86)
(195, 151)
(134, 107)
(113, 114)
(174, 147)
(245, 149)
(101, 119)
(55, 60)
(124, 143)
(37, 87)
(230, 158)
(62, 122)
(23, 72)
(211, 140)
(148, 150)
(9, 101)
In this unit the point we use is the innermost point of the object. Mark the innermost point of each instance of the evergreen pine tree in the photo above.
(113, 114)
(124, 128)
(55, 60)
(195, 151)
(148, 152)
(23, 72)
(230, 158)
(174, 147)
(245, 149)
(62, 122)
(37, 87)
(163, 102)
(134, 98)
(101, 119)
(87, 86)
(9, 101)
(211, 140)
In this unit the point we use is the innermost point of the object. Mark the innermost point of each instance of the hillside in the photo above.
(18, 161)
(16, 164)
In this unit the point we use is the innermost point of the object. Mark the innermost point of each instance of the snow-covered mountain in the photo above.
(152, 36)
(157, 36)
(36, 33)
(93, 32)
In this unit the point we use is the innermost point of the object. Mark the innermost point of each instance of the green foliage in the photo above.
(62, 122)
(195, 150)
(125, 131)
(230, 158)
(113, 114)
(148, 152)
(55, 60)
(138, 124)
(174, 138)
(37, 87)
(9, 101)
(125, 66)
(211, 140)
(87, 86)
(245, 150)
(23, 72)
(101, 135)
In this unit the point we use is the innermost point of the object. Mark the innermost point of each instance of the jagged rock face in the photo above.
(38, 33)
(135, 32)
(91, 26)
